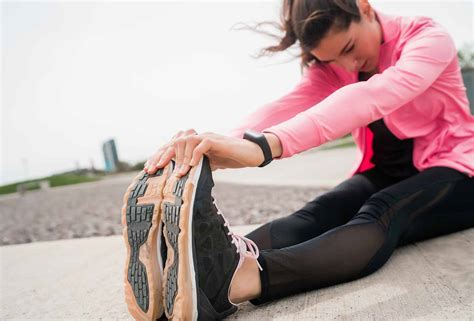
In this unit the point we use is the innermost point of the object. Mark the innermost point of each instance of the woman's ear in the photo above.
(366, 10)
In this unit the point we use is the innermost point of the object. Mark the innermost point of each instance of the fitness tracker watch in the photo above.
(260, 140)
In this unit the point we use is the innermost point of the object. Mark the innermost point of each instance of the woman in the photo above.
(395, 84)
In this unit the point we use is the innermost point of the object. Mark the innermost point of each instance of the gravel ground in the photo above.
(94, 209)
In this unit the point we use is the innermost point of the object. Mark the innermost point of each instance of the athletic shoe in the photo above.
(203, 255)
(142, 232)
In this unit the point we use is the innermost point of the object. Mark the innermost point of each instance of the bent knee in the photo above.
(378, 208)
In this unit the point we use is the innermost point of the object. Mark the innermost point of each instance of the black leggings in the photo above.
(353, 229)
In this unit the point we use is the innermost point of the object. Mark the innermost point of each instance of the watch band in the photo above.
(261, 141)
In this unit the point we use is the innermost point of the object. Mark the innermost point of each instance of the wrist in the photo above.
(275, 144)
(261, 141)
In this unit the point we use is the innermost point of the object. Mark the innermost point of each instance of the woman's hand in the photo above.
(187, 147)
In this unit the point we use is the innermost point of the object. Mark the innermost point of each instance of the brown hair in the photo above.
(307, 22)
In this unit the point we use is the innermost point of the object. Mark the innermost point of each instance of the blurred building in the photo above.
(110, 156)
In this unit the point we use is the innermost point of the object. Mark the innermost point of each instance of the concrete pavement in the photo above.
(82, 279)
(322, 168)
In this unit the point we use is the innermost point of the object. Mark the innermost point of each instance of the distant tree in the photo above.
(138, 166)
(123, 166)
(466, 56)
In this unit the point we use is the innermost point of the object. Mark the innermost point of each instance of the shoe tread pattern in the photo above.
(171, 216)
(139, 222)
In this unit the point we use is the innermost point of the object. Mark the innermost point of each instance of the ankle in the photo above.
(246, 284)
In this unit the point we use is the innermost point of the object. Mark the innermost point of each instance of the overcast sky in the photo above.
(75, 74)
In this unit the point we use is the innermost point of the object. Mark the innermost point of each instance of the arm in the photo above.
(422, 60)
(313, 87)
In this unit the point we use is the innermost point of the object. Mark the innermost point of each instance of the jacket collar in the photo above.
(390, 26)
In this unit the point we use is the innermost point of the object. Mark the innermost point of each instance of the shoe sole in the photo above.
(141, 221)
(180, 294)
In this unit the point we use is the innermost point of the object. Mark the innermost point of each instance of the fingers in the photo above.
(183, 133)
(165, 153)
(150, 164)
(166, 156)
(198, 152)
(181, 147)
(190, 144)
(180, 143)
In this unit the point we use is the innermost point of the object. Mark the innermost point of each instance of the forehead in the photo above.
(331, 45)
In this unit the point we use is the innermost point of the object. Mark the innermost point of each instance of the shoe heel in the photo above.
(206, 310)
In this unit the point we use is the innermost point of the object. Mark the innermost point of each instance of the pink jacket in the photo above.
(419, 93)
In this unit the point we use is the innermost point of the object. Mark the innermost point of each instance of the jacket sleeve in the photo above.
(422, 59)
(312, 88)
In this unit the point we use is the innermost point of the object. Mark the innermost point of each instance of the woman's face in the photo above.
(355, 49)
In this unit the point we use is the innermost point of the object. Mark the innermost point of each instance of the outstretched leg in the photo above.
(365, 242)
(327, 211)
(452, 214)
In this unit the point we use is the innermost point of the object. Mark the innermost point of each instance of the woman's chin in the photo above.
(365, 67)
(371, 67)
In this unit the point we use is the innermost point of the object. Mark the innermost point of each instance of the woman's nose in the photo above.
(350, 64)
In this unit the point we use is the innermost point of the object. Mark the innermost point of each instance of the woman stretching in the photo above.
(394, 83)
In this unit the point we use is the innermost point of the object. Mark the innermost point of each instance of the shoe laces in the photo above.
(242, 243)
